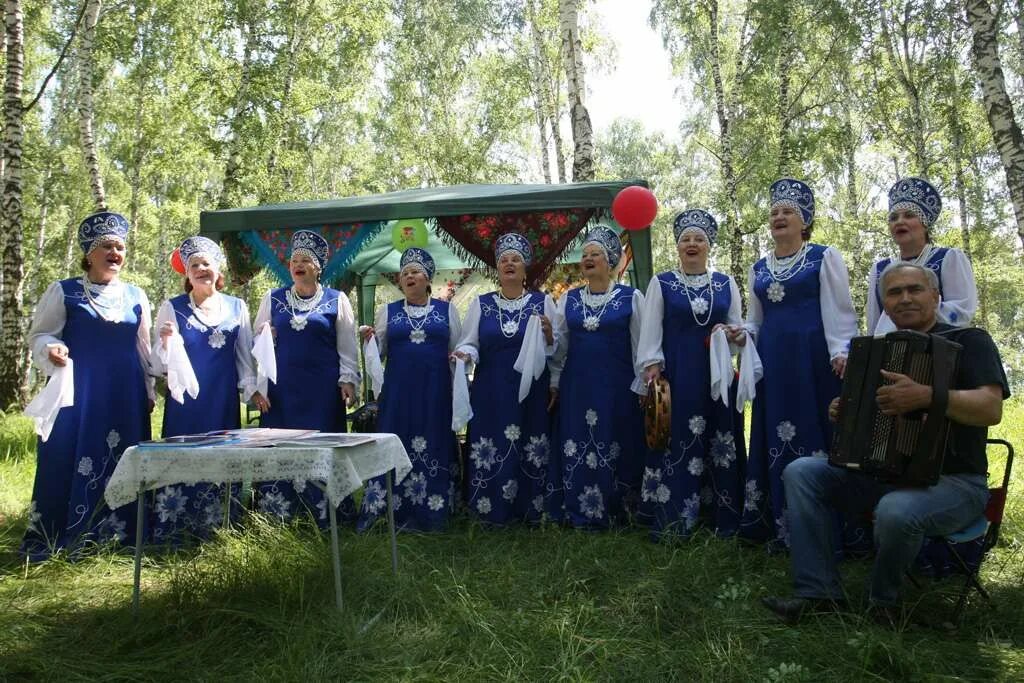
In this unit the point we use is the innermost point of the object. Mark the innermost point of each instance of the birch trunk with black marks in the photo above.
(554, 116)
(90, 153)
(572, 59)
(539, 96)
(1006, 132)
(12, 356)
(139, 142)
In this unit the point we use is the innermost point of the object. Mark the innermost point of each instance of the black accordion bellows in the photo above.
(906, 450)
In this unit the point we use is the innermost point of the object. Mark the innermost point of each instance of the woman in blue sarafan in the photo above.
(416, 334)
(801, 317)
(317, 368)
(217, 337)
(508, 471)
(700, 475)
(102, 326)
(914, 206)
(599, 428)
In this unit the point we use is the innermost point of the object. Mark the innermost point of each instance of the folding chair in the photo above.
(984, 529)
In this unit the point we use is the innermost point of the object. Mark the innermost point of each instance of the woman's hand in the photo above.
(166, 330)
(459, 355)
(552, 398)
(365, 332)
(545, 327)
(652, 373)
(736, 335)
(839, 366)
(261, 402)
(58, 355)
(833, 410)
(348, 392)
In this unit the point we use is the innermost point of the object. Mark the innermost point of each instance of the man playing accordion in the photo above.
(903, 517)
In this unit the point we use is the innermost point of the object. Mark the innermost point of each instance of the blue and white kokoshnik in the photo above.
(513, 241)
(605, 237)
(197, 244)
(918, 195)
(695, 219)
(415, 256)
(312, 245)
(795, 194)
(102, 224)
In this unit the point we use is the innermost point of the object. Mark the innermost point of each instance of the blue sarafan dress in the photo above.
(107, 336)
(508, 471)
(219, 350)
(801, 317)
(700, 476)
(599, 433)
(315, 351)
(416, 404)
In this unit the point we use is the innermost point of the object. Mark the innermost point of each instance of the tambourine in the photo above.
(658, 415)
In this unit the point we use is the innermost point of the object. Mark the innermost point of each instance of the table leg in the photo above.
(391, 524)
(140, 503)
(335, 552)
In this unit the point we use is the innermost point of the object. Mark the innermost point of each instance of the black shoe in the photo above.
(790, 610)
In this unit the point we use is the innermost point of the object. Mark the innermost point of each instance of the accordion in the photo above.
(905, 450)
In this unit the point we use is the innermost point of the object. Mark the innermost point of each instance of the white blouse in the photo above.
(560, 329)
(959, 294)
(48, 328)
(245, 366)
(837, 314)
(344, 333)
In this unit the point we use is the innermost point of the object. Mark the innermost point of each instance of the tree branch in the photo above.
(60, 59)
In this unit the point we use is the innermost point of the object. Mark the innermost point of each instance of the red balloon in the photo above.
(635, 207)
(176, 263)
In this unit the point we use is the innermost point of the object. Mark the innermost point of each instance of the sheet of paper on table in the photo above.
(327, 440)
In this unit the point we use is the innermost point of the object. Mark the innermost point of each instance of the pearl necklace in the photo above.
(98, 307)
(413, 311)
(784, 268)
(510, 326)
(698, 304)
(591, 314)
(297, 304)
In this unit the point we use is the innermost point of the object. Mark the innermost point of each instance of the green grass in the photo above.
(533, 604)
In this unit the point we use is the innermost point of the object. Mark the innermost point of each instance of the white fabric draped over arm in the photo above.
(348, 349)
(648, 349)
(636, 327)
(143, 342)
(837, 314)
(47, 327)
(959, 291)
(263, 349)
(560, 330)
(373, 351)
(755, 314)
(549, 313)
(469, 343)
(380, 329)
(872, 310)
(158, 358)
(245, 365)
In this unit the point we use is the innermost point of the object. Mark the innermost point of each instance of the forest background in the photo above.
(161, 109)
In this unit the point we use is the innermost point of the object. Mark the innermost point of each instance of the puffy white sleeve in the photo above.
(263, 313)
(560, 330)
(245, 365)
(959, 291)
(648, 346)
(143, 344)
(47, 326)
(872, 310)
(735, 315)
(469, 343)
(755, 314)
(635, 330)
(549, 313)
(345, 336)
(454, 327)
(837, 314)
(380, 329)
(158, 357)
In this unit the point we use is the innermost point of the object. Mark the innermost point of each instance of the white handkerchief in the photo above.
(462, 411)
(721, 366)
(266, 361)
(58, 393)
(374, 367)
(532, 357)
(751, 372)
(181, 378)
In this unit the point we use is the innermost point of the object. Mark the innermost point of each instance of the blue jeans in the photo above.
(902, 519)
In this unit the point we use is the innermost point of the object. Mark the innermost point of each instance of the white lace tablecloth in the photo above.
(341, 470)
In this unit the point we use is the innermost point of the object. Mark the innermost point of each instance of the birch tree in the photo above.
(85, 104)
(572, 59)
